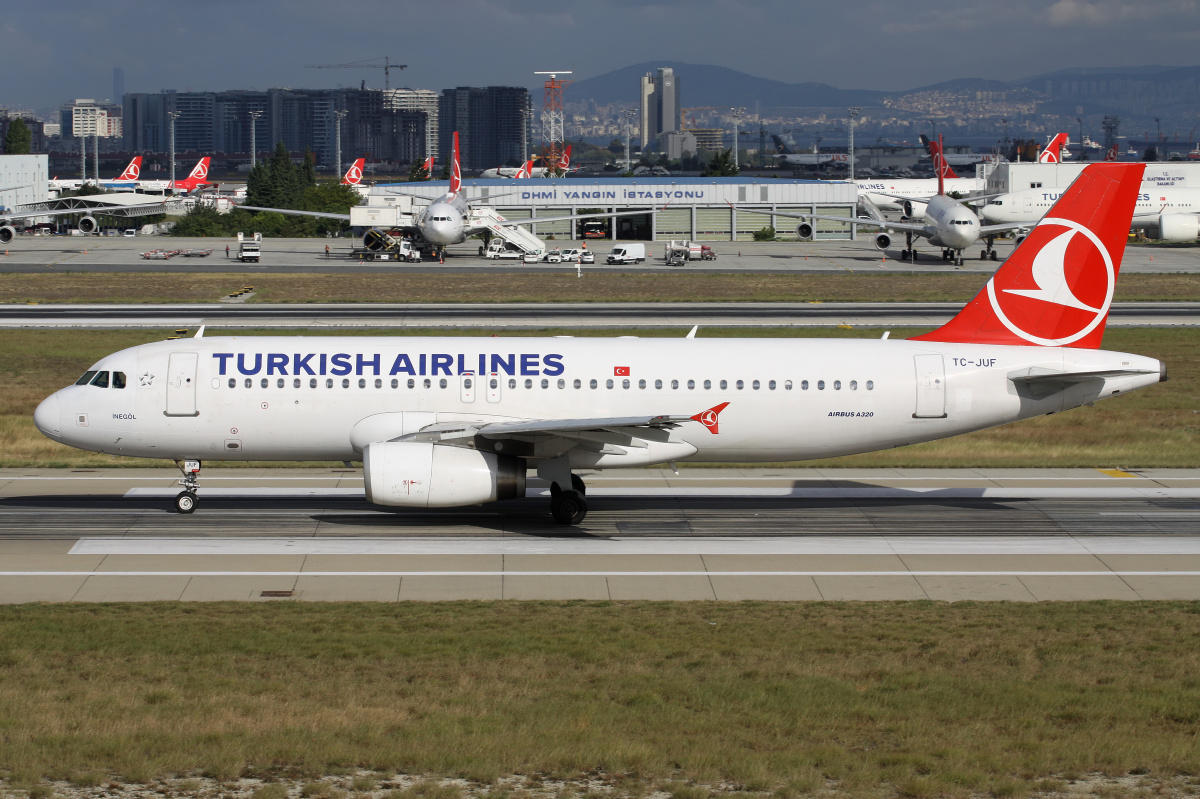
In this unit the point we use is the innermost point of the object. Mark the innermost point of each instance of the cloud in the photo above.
(1098, 13)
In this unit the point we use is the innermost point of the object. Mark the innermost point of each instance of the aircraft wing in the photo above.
(881, 224)
(619, 430)
(985, 230)
(290, 212)
(107, 209)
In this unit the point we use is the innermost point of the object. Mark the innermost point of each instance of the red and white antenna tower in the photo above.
(552, 119)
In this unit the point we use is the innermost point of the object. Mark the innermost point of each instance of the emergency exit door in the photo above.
(931, 387)
(181, 384)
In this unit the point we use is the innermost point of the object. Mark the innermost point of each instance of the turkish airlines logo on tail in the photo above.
(354, 174)
(709, 418)
(1066, 291)
(133, 171)
(564, 163)
(1053, 152)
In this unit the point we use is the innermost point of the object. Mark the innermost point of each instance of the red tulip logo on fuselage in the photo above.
(1066, 291)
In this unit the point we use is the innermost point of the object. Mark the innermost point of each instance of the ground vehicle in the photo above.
(130, 233)
(587, 257)
(500, 249)
(249, 249)
(572, 254)
(633, 253)
(594, 228)
(554, 257)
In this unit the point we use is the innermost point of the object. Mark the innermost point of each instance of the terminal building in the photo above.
(23, 179)
(1010, 177)
(699, 209)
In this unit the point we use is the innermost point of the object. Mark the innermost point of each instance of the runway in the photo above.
(541, 315)
(704, 534)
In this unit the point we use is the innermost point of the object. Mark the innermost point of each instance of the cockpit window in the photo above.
(87, 378)
(100, 380)
(118, 380)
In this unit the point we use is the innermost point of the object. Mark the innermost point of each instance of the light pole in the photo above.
(854, 113)
(96, 155)
(337, 136)
(174, 115)
(738, 113)
(254, 117)
(1082, 149)
(628, 113)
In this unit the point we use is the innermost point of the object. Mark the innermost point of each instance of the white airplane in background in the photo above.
(1174, 212)
(444, 422)
(447, 219)
(812, 158)
(528, 170)
(126, 180)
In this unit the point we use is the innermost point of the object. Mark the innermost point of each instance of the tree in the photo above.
(616, 146)
(446, 167)
(721, 166)
(417, 172)
(19, 138)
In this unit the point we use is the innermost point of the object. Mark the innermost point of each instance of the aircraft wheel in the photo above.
(185, 502)
(914, 255)
(983, 255)
(958, 261)
(569, 507)
(994, 256)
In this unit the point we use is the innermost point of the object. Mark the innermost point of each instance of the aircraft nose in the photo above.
(48, 417)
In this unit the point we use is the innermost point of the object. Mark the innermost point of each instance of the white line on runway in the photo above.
(548, 573)
(686, 545)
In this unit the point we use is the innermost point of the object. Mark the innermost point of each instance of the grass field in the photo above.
(557, 286)
(874, 699)
(1156, 427)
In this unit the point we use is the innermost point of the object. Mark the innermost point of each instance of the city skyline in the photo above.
(69, 48)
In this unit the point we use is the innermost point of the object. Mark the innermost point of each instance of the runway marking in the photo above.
(923, 573)
(686, 545)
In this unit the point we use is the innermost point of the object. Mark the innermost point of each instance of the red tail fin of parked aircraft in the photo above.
(197, 177)
(1053, 152)
(525, 171)
(133, 171)
(455, 169)
(564, 163)
(943, 169)
(429, 167)
(1056, 288)
(354, 174)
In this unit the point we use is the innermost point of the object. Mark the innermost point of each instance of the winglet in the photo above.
(1056, 287)
(455, 169)
(709, 418)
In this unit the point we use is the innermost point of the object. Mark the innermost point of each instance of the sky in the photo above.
(53, 51)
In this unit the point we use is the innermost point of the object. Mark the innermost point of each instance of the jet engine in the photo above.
(6, 234)
(883, 241)
(914, 210)
(1178, 227)
(88, 224)
(415, 474)
(804, 231)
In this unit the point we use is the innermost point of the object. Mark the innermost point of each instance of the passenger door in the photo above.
(931, 387)
(181, 384)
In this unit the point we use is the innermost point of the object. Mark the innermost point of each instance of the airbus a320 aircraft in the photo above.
(126, 180)
(443, 422)
(354, 174)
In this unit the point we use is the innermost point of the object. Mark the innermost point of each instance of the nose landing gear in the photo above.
(185, 500)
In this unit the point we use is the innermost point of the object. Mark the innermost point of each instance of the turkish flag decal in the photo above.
(621, 371)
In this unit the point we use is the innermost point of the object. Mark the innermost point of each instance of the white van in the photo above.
(627, 254)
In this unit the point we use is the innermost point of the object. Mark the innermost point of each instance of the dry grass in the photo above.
(911, 699)
(1155, 427)
(557, 286)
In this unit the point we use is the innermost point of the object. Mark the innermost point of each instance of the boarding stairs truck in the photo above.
(515, 236)
(249, 250)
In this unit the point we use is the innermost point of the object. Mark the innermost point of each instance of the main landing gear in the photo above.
(908, 253)
(569, 507)
(989, 252)
(185, 500)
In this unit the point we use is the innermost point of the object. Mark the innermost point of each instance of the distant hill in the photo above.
(704, 84)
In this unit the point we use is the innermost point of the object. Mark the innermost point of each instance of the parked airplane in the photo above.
(197, 178)
(87, 208)
(354, 174)
(1056, 150)
(126, 180)
(447, 219)
(444, 422)
(1174, 212)
(812, 158)
(528, 170)
(911, 196)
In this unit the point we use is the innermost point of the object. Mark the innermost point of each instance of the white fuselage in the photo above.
(1030, 205)
(299, 398)
(884, 193)
(511, 172)
(444, 221)
(950, 224)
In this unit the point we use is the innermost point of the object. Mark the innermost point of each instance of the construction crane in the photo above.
(371, 63)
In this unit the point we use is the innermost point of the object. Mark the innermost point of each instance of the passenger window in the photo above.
(87, 378)
(493, 383)
(804, 385)
(854, 385)
(578, 383)
(625, 383)
(233, 382)
(545, 383)
(820, 385)
(787, 385)
(754, 385)
(118, 380)
(641, 384)
(608, 383)
(870, 385)
(279, 383)
(312, 382)
(658, 384)
(837, 385)
(675, 384)
(362, 382)
(378, 383)
(428, 383)
(100, 380)
(296, 383)
(707, 385)
(395, 383)
(771, 385)
(329, 382)
(264, 382)
(528, 383)
(691, 385)
(724, 384)
(562, 383)
(249, 383)
(592, 383)
(442, 383)
(512, 383)
(740, 385)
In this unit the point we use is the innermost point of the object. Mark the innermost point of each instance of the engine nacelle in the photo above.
(804, 231)
(413, 474)
(1179, 227)
(6, 234)
(883, 241)
(914, 210)
(88, 224)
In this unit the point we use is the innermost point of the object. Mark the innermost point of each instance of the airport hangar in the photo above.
(693, 208)
(1013, 176)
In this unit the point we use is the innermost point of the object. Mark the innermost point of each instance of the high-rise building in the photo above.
(91, 118)
(660, 105)
(417, 100)
(490, 123)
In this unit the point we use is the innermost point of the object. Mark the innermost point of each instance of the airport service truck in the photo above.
(249, 249)
(633, 253)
